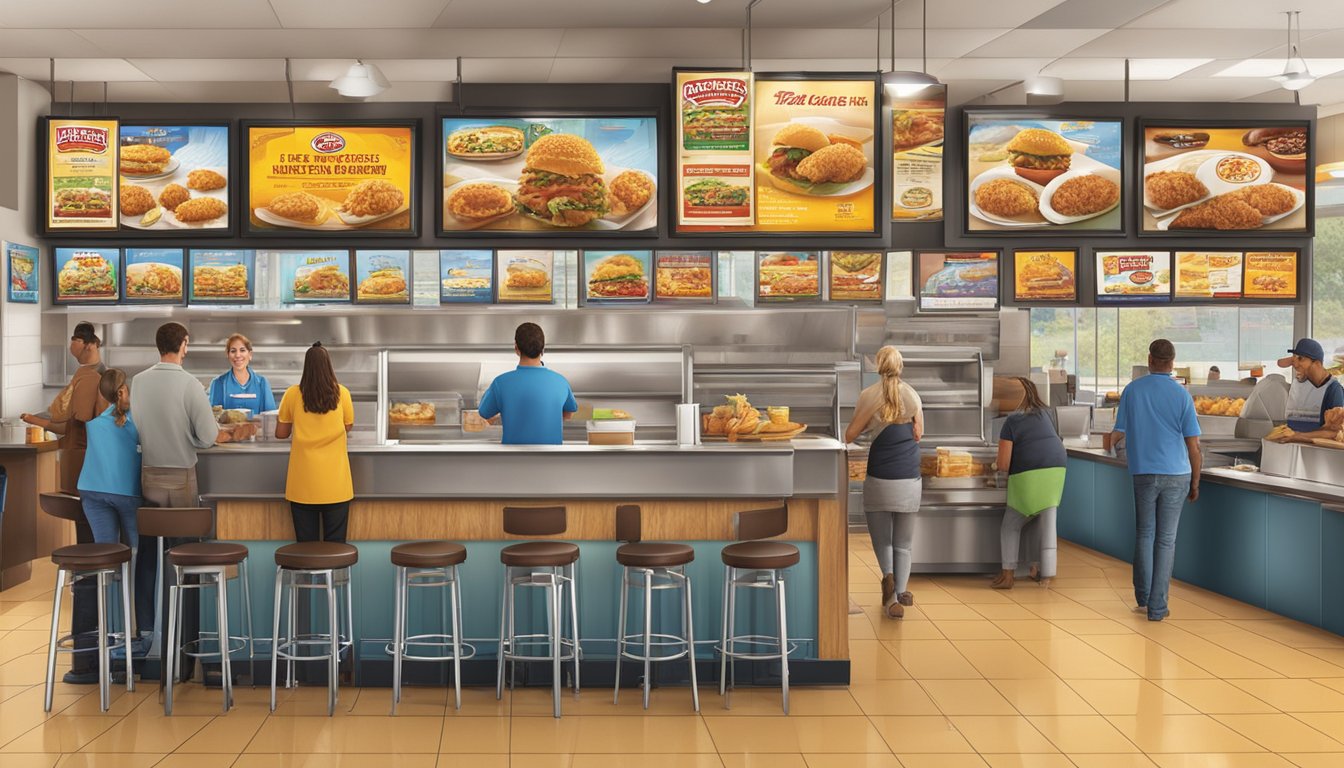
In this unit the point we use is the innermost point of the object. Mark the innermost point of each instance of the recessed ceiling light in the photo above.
(702, 2)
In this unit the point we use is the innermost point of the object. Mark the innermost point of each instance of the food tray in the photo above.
(611, 425)
(1218, 426)
(759, 437)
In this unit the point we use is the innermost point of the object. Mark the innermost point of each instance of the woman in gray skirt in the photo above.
(892, 412)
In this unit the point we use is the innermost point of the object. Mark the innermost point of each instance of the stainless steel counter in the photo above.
(1252, 481)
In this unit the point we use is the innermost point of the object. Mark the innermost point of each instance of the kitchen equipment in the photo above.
(688, 424)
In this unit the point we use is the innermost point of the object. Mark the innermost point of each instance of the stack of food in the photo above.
(953, 463)
(1219, 406)
(412, 413)
(235, 422)
(738, 420)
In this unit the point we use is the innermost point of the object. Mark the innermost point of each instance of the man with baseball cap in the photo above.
(1314, 391)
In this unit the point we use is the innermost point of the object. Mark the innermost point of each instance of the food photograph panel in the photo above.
(684, 277)
(1207, 275)
(1049, 276)
(1043, 174)
(788, 276)
(854, 276)
(1271, 275)
(616, 277)
(222, 276)
(1133, 277)
(382, 277)
(1241, 178)
(87, 275)
(79, 174)
(153, 276)
(24, 275)
(549, 175)
(525, 277)
(466, 277)
(315, 277)
(957, 281)
(917, 132)
(334, 179)
(175, 178)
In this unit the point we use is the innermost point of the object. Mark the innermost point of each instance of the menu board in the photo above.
(917, 124)
(333, 179)
(550, 175)
(684, 276)
(382, 277)
(1207, 275)
(900, 275)
(958, 280)
(174, 177)
(525, 277)
(788, 275)
(24, 275)
(810, 166)
(1045, 275)
(466, 277)
(87, 275)
(1270, 275)
(153, 275)
(1042, 175)
(314, 277)
(1241, 178)
(1133, 277)
(855, 275)
(714, 160)
(81, 175)
(616, 277)
(221, 276)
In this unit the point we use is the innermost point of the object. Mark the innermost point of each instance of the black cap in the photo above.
(84, 332)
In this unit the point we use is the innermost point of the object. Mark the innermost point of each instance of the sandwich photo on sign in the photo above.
(684, 276)
(616, 276)
(221, 276)
(788, 276)
(153, 275)
(1045, 275)
(315, 277)
(855, 275)
(525, 277)
(1043, 174)
(383, 277)
(87, 275)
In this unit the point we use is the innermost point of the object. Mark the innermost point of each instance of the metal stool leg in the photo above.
(225, 667)
(104, 663)
(275, 630)
(333, 663)
(555, 620)
(783, 638)
(292, 625)
(457, 639)
(247, 621)
(574, 617)
(350, 625)
(126, 624)
(724, 629)
(55, 638)
(170, 650)
(620, 630)
(648, 634)
(398, 635)
(504, 624)
(690, 641)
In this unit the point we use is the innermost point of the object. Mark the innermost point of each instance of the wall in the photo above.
(21, 103)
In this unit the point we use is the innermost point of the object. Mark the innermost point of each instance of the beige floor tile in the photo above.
(950, 612)
(226, 733)
(186, 760)
(1081, 734)
(25, 670)
(1221, 761)
(873, 660)
(970, 630)
(418, 701)
(793, 734)
(1280, 733)
(860, 628)
(537, 702)
(968, 697)
(758, 701)
(60, 734)
(1146, 657)
(912, 627)
(1209, 655)
(609, 761)
(1334, 683)
(346, 760)
(932, 659)
(1010, 733)
(147, 733)
(1130, 697)
(941, 761)
(1111, 761)
(1293, 634)
(1291, 695)
(1215, 697)
(400, 735)
(1002, 611)
(893, 697)
(1283, 659)
(91, 760)
(1002, 659)
(919, 735)
(763, 761)
(1055, 611)
(1031, 629)
(1073, 659)
(1027, 761)
(475, 735)
(1315, 761)
(1330, 723)
(30, 760)
(1181, 733)
(1091, 626)
(1042, 696)
(852, 761)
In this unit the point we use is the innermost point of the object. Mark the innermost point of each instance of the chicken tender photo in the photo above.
(200, 209)
(373, 197)
(144, 159)
(204, 180)
(833, 163)
(135, 200)
(1171, 189)
(1224, 212)
(299, 206)
(1005, 197)
(173, 195)
(1085, 195)
(629, 192)
(480, 200)
(1268, 199)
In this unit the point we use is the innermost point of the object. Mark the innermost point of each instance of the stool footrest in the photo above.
(432, 641)
(754, 640)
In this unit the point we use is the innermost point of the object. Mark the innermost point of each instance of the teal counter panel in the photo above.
(1077, 509)
(1332, 570)
(1293, 558)
(1220, 545)
(1114, 505)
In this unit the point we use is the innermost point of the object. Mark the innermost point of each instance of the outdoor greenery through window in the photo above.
(1327, 281)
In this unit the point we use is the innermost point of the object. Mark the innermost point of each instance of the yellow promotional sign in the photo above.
(81, 174)
(1045, 275)
(331, 178)
(1270, 275)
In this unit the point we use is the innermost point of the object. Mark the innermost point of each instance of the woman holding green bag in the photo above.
(1031, 449)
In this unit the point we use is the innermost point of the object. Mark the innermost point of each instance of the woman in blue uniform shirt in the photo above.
(240, 387)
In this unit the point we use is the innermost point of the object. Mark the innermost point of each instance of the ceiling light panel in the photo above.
(346, 14)
(1262, 68)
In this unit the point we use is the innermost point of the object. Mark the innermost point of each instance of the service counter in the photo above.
(458, 491)
(1274, 542)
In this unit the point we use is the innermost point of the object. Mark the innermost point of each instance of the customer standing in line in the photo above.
(533, 401)
(240, 387)
(319, 414)
(1033, 453)
(1157, 421)
(891, 410)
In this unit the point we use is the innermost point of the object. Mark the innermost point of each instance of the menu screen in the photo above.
(174, 177)
(86, 275)
(958, 280)
(153, 275)
(616, 277)
(222, 276)
(466, 277)
(315, 277)
(525, 277)
(855, 275)
(1133, 277)
(917, 125)
(382, 277)
(1270, 275)
(1045, 275)
(684, 276)
(788, 276)
(81, 183)
(1208, 275)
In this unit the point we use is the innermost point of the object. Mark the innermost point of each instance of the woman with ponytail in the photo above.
(1032, 452)
(318, 413)
(109, 482)
(891, 411)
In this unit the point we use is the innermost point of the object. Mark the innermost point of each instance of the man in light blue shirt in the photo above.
(533, 401)
(1157, 421)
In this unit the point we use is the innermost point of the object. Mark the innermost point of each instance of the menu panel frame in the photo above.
(232, 196)
(365, 265)
(1182, 270)
(181, 266)
(1120, 298)
(482, 295)
(109, 160)
(640, 271)
(927, 304)
(1247, 279)
(246, 256)
(61, 254)
(289, 274)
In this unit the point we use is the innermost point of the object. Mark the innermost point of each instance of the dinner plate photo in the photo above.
(168, 170)
(1004, 172)
(1048, 194)
(1208, 172)
(328, 222)
(353, 221)
(845, 188)
(460, 224)
(1164, 223)
(1189, 162)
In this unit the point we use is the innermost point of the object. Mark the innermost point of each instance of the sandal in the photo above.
(906, 598)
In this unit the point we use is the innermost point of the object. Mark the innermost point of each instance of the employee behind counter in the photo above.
(1313, 392)
(532, 401)
(240, 387)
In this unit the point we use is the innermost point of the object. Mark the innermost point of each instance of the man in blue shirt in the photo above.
(1314, 391)
(532, 400)
(1157, 421)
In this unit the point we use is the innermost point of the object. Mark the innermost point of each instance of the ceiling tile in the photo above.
(507, 70)
(98, 70)
(212, 70)
(1265, 68)
(328, 43)
(346, 14)
(1073, 14)
(967, 91)
(37, 70)
(972, 69)
(578, 70)
(142, 14)
(1036, 43)
(683, 44)
(46, 43)
(1190, 89)
(1219, 14)
(1152, 43)
(974, 13)
(244, 92)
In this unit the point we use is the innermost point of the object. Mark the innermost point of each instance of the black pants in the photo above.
(84, 612)
(320, 522)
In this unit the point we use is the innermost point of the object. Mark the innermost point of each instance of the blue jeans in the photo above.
(112, 517)
(1158, 500)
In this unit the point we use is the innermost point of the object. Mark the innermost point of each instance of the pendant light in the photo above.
(1295, 75)
(906, 84)
(361, 81)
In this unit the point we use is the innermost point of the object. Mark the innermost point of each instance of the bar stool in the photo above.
(88, 561)
(521, 564)
(755, 564)
(428, 564)
(661, 566)
(210, 562)
(320, 565)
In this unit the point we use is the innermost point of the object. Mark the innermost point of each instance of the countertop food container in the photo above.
(269, 419)
(611, 432)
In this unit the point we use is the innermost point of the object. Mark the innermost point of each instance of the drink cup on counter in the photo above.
(472, 421)
(35, 435)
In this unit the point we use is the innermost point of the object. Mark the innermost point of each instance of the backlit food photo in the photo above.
(618, 276)
(789, 275)
(174, 177)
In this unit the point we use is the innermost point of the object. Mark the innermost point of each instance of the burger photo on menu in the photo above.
(153, 275)
(221, 276)
(1225, 179)
(855, 275)
(382, 277)
(788, 275)
(1043, 174)
(551, 175)
(315, 276)
(525, 276)
(616, 276)
(805, 161)
(1045, 275)
(684, 276)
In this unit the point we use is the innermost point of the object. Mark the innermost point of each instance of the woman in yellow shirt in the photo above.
(319, 414)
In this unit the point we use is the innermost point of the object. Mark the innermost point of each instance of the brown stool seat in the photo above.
(207, 553)
(761, 555)
(91, 556)
(428, 554)
(539, 553)
(654, 554)
(316, 555)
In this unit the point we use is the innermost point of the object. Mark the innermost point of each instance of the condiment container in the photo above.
(268, 421)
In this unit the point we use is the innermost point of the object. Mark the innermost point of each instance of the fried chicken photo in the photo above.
(1005, 197)
(833, 163)
(204, 180)
(135, 201)
(373, 197)
(299, 206)
(561, 182)
(1224, 212)
(200, 209)
(173, 195)
(144, 159)
(1085, 195)
(1268, 199)
(629, 191)
(1171, 189)
(522, 276)
(479, 201)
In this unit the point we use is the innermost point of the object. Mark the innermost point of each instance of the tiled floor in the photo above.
(972, 677)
